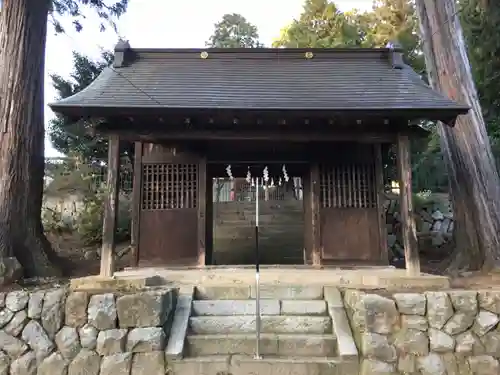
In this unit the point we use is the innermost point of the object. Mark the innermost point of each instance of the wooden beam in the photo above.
(315, 215)
(270, 136)
(110, 208)
(379, 181)
(202, 207)
(136, 203)
(409, 228)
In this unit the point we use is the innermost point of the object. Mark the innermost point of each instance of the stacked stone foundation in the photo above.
(58, 332)
(431, 333)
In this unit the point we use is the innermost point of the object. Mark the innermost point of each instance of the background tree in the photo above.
(234, 31)
(78, 138)
(23, 30)
(480, 21)
(322, 25)
(473, 177)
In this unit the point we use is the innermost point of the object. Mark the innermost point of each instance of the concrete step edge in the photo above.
(236, 307)
(267, 358)
(219, 336)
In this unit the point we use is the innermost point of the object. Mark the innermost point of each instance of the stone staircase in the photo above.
(303, 330)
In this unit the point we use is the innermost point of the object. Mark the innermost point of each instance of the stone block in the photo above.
(407, 363)
(440, 342)
(459, 323)
(39, 341)
(17, 300)
(468, 343)
(76, 309)
(483, 365)
(234, 307)
(149, 339)
(376, 314)
(180, 324)
(464, 301)
(489, 300)
(485, 321)
(24, 365)
(342, 330)
(374, 367)
(35, 304)
(376, 346)
(414, 322)
(4, 364)
(431, 364)
(101, 311)
(12, 345)
(145, 309)
(411, 341)
(211, 365)
(439, 309)
(270, 324)
(222, 292)
(151, 363)
(288, 292)
(491, 343)
(116, 364)
(17, 323)
(295, 307)
(88, 336)
(54, 364)
(244, 365)
(87, 362)
(53, 311)
(5, 317)
(411, 303)
(111, 341)
(68, 342)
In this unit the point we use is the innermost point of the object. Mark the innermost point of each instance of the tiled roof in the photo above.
(259, 79)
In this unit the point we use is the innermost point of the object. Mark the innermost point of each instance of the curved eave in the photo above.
(446, 115)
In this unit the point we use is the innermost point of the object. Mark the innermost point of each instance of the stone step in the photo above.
(269, 324)
(270, 344)
(267, 307)
(247, 365)
(267, 291)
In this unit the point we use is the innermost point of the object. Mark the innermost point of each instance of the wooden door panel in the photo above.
(349, 234)
(169, 214)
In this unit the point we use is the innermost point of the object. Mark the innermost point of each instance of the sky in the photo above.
(166, 24)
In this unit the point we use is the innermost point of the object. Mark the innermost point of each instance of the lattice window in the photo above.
(169, 186)
(351, 185)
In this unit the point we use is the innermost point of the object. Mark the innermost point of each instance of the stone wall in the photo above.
(434, 220)
(56, 332)
(431, 333)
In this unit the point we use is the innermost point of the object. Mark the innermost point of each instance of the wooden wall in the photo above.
(281, 232)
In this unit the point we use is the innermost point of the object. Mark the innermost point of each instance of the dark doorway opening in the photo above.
(281, 214)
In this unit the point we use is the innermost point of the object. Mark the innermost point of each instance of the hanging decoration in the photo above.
(229, 172)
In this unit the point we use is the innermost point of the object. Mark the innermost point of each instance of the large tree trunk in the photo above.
(473, 177)
(23, 29)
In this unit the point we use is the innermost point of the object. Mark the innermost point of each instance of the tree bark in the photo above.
(23, 29)
(473, 177)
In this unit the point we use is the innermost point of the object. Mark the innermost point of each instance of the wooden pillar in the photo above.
(409, 228)
(110, 207)
(379, 181)
(136, 203)
(202, 207)
(315, 215)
